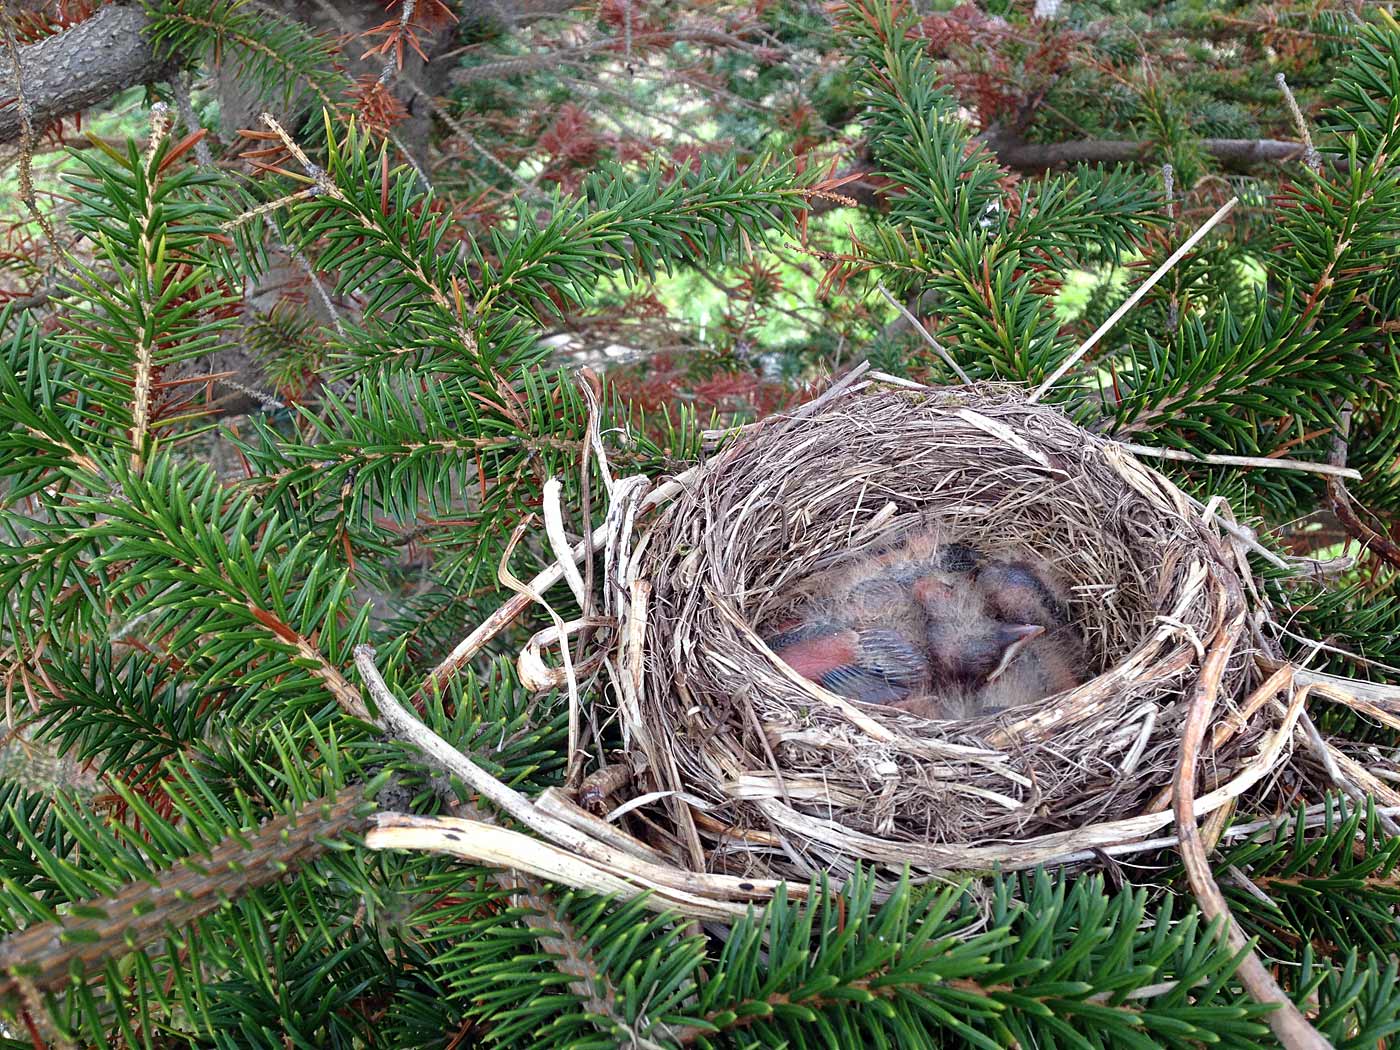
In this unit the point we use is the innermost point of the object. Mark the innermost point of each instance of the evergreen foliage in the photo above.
(180, 631)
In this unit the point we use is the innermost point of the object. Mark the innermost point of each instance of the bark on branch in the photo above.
(1237, 155)
(81, 67)
(1233, 154)
(110, 52)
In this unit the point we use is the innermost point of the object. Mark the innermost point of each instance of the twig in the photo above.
(1288, 1024)
(1246, 536)
(1337, 650)
(1132, 300)
(1311, 157)
(1244, 882)
(1266, 462)
(1328, 755)
(1239, 155)
(682, 888)
(1344, 690)
(1340, 502)
(938, 347)
(182, 89)
(499, 847)
(1313, 816)
(26, 127)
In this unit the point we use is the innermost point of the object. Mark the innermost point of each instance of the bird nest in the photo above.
(737, 776)
(757, 771)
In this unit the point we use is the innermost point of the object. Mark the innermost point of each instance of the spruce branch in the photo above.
(140, 912)
(575, 956)
(280, 55)
(510, 67)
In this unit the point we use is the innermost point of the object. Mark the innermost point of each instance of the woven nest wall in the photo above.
(774, 775)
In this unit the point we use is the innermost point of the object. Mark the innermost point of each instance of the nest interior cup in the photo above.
(777, 776)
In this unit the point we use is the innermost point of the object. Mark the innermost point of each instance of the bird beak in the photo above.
(1016, 636)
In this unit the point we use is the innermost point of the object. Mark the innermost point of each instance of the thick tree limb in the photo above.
(1234, 154)
(1237, 155)
(109, 52)
(81, 67)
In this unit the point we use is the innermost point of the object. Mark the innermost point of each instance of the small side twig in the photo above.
(1347, 785)
(1263, 462)
(27, 137)
(938, 347)
(1311, 157)
(1340, 501)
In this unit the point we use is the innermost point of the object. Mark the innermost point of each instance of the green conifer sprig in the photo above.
(282, 57)
(1334, 889)
(188, 636)
(952, 234)
(1052, 960)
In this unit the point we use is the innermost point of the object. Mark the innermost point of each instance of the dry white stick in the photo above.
(400, 722)
(938, 347)
(536, 675)
(1317, 646)
(1313, 817)
(889, 380)
(1132, 300)
(595, 437)
(1246, 536)
(556, 802)
(509, 579)
(558, 541)
(1244, 461)
(502, 848)
(1339, 688)
(547, 578)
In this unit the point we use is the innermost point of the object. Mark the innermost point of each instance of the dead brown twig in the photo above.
(1288, 1024)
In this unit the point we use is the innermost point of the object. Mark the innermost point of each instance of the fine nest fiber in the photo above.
(767, 773)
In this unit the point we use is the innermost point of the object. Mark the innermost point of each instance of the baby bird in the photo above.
(1035, 671)
(968, 645)
(1031, 592)
(999, 640)
(926, 552)
(1052, 660)
(937, 629)
(1023, 590)
(861, 634)
(876, 665)
(1041, 669)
